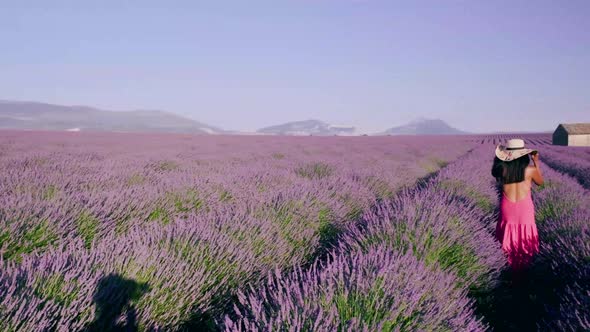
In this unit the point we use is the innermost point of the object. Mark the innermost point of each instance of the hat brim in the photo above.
(509, 155)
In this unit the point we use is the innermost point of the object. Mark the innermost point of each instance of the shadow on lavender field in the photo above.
(520, 302)
(509, 306)
(113, 297)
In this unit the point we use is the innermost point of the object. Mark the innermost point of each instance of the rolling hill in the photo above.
(42, 116)
(308, 127)
(424, 127)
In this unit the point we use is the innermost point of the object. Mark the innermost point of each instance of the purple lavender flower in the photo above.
(378, 289)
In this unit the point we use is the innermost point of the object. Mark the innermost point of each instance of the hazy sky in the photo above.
(242, 65)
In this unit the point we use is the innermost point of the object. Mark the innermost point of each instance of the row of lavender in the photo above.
(574, 161)
(563, 269)
(410, 264)
(160, 231)
(537, 139)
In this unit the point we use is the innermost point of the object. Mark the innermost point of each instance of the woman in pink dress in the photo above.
(516, 228)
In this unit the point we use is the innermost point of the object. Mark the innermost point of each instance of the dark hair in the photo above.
(510, 171)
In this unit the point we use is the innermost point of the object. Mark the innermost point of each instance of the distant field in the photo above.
(172, 232)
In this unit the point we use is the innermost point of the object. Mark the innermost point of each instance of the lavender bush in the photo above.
(375, 290)
(182, 268)
(438, 228)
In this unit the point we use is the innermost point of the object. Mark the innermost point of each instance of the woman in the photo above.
(516, 228)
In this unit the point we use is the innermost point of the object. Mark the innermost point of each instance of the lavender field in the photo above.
(169, 232)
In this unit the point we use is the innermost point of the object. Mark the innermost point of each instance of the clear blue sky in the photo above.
(242, 65)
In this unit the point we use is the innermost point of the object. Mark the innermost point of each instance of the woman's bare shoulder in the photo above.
(529, 171)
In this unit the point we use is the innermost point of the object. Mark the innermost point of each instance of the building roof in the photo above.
(576, 128)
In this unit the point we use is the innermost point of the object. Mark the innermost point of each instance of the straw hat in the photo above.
(513, 149)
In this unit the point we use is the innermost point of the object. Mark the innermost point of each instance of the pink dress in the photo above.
(517, 231)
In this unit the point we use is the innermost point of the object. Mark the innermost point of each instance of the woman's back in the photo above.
(518, 191)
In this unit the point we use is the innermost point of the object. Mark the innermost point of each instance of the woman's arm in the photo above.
(537, 175)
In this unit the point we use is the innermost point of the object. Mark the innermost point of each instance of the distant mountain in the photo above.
(308, 127)
(424, 127)
(33, 115)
